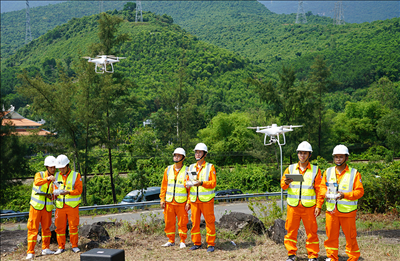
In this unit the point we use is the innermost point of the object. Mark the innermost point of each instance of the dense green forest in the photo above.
(343, 87)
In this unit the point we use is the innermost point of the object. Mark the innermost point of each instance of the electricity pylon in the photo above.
(28, 34)
(300, 12)
(138, 9)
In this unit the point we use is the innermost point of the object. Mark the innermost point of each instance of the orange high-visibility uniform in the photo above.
(172, 210)
(337, 219)
(39, 216)
(206, 208)
(295, 214)
(70, 213)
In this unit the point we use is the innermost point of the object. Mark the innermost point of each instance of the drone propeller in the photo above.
(263, 127)
(121, 57)
(86, 57)
(292, 126)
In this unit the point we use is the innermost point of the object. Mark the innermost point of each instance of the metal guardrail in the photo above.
(150, 203)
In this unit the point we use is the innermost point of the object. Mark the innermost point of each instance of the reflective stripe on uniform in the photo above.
(332, 248)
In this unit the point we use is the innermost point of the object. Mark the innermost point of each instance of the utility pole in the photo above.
(300, 12)
(28, 34)
(138, 9)
(339, 14)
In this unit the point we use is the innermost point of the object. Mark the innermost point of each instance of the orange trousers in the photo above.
(36, 217)
(207, 209)
(294, 215)
(62, 214)
(348, 224)
(170, 213)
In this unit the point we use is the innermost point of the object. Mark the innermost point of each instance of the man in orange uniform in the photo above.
(174, 196)
(345, 188)
(304, 203)
(202, 181)
(41, 208)
(67, 204)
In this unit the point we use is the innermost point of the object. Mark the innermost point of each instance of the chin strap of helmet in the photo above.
(341, 163)
(204, 154)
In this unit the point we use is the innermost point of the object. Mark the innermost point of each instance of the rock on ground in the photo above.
(237, 222)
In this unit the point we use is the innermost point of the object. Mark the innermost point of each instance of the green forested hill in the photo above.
(215, 78)
(358, 53)
(354, 11)
(43, 19)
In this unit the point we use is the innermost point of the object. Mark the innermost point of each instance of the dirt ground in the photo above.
(15, 241)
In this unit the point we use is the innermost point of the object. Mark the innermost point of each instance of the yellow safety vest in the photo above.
(70, 200)
(175, 188)
(39, 201)
(204, 194)
(302, 191)
(345, 185)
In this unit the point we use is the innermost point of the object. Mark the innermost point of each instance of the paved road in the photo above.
(220, 209)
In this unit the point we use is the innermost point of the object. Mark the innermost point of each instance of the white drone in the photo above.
(274, 131)
(103, 61)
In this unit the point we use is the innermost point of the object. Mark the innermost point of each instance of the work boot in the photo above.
(59, 251)
(168, 244)
(47, 252)
(195, 247)
(29, 256)
(313, 259)
(291, 258)
(328, 259)
(210, 249)
(182, 245)
(76, 250)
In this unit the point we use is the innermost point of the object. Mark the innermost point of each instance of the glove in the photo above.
(332, 196)
(189, 184)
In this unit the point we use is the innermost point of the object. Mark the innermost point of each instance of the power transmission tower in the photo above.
(139, 9)
(300, 12)
(28, 34)
(339, 14)
(101, 7)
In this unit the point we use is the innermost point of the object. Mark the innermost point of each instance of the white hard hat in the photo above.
(340, 149)
(62, 161)
(201, 146)
(50, 161)
(304, 146)
(179, 151)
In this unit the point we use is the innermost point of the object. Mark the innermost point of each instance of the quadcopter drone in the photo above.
(102, 61)
(274, 131)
